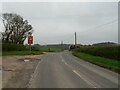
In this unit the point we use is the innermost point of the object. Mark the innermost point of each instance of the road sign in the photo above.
(30, 39)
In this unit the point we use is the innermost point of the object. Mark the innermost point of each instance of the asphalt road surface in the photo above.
(0, 79)
(63, 70)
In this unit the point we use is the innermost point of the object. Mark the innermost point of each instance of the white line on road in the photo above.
(93, 84)
(100, 72)
(84, 78)
(77, 73)
(65, 62)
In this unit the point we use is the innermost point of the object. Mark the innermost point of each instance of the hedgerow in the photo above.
(13, 47)
(111, 52)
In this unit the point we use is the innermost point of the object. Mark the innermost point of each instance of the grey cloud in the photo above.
(53, 22)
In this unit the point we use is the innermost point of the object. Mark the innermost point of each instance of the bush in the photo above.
(13, 47)
(35, 49)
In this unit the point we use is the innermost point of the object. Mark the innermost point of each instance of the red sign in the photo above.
(30, 39)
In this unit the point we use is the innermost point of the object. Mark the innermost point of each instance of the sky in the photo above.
(54, 22)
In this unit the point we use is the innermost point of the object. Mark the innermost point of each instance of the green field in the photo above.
(33, 52)
(101, 61)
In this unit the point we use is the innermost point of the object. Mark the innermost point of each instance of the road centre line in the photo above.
(84, 78)
(78, 73)
(115, 80)
(64, 62)
(87, 80)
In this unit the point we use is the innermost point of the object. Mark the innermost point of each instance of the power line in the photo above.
(99, 26)
(71, 36)
(43, 42)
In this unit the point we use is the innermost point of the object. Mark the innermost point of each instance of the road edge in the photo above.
(32, 75)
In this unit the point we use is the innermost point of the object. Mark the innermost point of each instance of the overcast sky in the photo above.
(54, 22)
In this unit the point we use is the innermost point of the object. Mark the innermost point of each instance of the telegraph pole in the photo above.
(62, 45)
(75, 40)
(61, 42)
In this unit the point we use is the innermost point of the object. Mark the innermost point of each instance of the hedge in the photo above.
(13, 47)
(106, 51)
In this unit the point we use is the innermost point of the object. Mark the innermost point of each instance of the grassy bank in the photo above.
(27, 52)
(111, 64)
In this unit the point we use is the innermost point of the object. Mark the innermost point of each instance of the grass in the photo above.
(6, 53)
(27, 52)
(50, 50)
(111, 64)
(0, 53)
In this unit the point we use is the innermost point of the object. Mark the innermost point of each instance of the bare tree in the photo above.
(16, 28)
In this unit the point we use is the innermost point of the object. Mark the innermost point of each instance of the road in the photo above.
(63, 70)
(0, 79)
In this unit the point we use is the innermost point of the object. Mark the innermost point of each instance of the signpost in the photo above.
(30, 40)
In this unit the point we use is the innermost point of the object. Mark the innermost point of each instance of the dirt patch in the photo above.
(17, 70)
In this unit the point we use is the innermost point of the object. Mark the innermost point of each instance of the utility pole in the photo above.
(61, 42)
(75, 40)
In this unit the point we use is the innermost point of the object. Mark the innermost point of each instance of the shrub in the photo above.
(35, 49)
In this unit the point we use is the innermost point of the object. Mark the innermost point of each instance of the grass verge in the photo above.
(34, 52)
(6, 53)
(101, 61)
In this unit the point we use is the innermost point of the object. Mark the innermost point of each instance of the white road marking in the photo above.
(101, 73)
(77, 73)
(93, 84)
(83, 78)
(65, 62)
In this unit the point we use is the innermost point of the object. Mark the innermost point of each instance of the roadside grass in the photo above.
(33, 52)
(111, 64)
